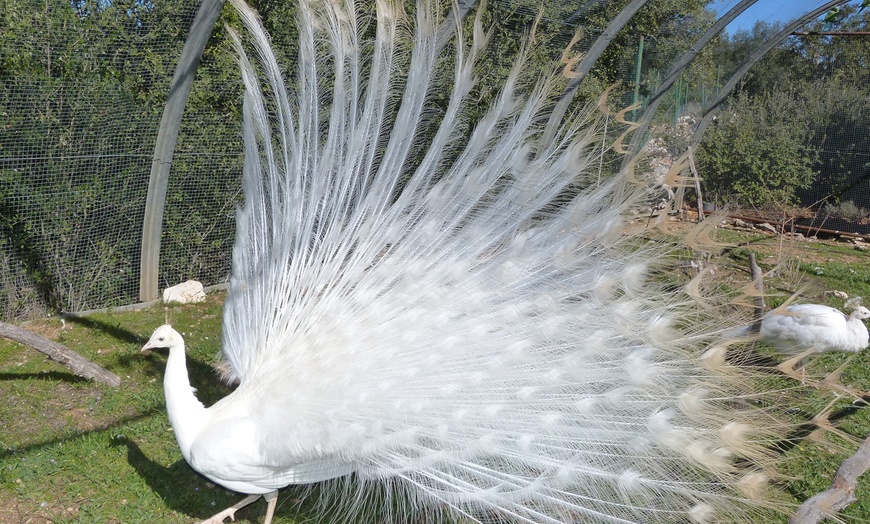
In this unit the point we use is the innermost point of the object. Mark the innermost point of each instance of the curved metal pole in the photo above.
(167, 134)
(678, 67)
(461, 8)
(754, 57)
(586, 64)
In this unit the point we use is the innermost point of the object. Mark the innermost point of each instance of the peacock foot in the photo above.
(230, 512)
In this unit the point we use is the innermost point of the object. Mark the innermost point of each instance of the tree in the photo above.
(756, 151)
(823, 76)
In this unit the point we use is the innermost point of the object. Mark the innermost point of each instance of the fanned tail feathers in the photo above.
(469, 317)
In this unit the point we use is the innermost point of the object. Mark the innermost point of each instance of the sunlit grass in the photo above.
(76, 451)
(72, 451)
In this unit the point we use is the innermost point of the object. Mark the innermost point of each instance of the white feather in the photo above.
(467, 324)
(802, 327)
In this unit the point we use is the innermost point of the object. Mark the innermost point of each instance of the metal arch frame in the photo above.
(754, 57)
(167, 135)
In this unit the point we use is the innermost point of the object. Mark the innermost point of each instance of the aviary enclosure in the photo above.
(120, 173)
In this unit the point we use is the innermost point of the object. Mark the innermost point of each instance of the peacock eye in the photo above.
(160, 339)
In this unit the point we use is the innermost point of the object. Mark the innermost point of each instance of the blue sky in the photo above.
(766, 10)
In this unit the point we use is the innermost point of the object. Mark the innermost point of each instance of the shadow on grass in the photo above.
(185, 491)
(177, 485)
(76, 435)
(51, 376)
(111, 329)
(344, 499)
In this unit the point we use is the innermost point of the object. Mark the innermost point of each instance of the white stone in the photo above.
(767, 227)
(184, 293)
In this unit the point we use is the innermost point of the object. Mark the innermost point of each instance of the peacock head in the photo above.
(861, 312)
(163, 337)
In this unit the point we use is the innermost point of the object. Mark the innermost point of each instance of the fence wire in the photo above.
(83, 86)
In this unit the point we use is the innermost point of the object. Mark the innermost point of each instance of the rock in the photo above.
(839, 294)
(767, 227)
(860, 245)
(185, 293)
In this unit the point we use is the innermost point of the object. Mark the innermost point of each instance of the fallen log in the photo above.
(841, 493)
(60, 354)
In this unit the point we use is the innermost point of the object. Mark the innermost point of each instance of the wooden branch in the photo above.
(697, 180)
(61, 354)
(841, 493)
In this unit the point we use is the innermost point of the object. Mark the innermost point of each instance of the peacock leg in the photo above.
(790, 366)
(271, 500)
(231, 511)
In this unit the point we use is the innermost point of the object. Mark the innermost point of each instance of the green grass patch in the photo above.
(72, 451)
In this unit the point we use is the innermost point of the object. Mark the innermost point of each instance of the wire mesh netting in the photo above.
(83, 91)
(84, 86)
(73, 187)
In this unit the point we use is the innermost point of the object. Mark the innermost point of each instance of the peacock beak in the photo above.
(146, 349)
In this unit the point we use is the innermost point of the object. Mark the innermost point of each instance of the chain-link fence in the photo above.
(83, 91)
(84, 85)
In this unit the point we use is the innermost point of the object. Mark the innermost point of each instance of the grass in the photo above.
(811, 271)
(72, 451)
(75, 451)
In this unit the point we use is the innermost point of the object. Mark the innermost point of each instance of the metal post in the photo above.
(167, 134)
(585, 66)
(637, 69)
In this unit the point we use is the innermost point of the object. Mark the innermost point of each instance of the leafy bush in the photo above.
(755, 151)
(847, 210)
(839, 113)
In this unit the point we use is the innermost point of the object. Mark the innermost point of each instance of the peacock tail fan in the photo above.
(454, 307)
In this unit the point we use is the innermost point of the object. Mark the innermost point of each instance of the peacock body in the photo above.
(455, 310)
(815, 327)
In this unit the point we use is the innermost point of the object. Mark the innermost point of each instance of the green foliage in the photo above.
(810, 90)
(83, 89)
(847, 210)
(756, 151)
(80, 116)
(839, 116)
(731, 52)
(670, 23)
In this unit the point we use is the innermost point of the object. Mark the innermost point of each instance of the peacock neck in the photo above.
(186, 412)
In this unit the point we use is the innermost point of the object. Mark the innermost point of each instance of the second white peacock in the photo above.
(800, 330)
(817, 328)
(451, 308)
